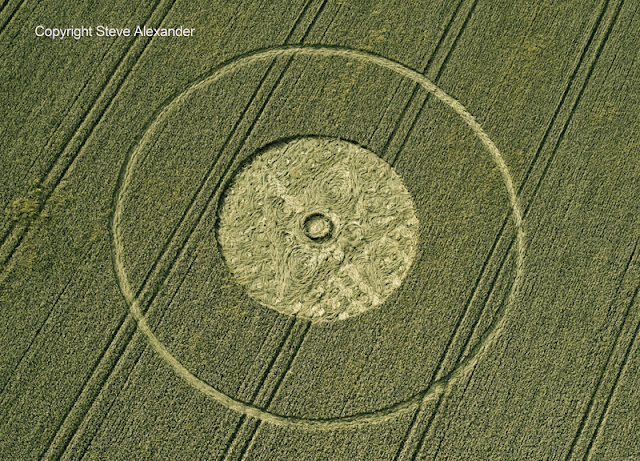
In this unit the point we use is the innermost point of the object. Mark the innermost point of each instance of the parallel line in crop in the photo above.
(2, 7)
(109, 356)
(70, 114)
(423, 70)
(417, 116)
(77, 142)
(412, 445)
(441, 401)
(446, 429)
(11, 15)
(267, 394)
(414, 433)
(440, 370)
(205, 188)
(384, 152)
(246, 388)
(496, 248)
(590, 411)
(392, 158)
(119, 341)
(583, 85)
(73, 285)
(180, 250)
(621, 369)
(481, 275)
(256, 389)
(491, 293)
(33, 340)
(564, 124)
(470, 6)
(208, 187)
(73, 114)
(242, 422)
(461, 399)
(551, 124)
(558, 140)
(416, 436)
(81, 436)
(58, 440)
(295, 338)
(263, 360)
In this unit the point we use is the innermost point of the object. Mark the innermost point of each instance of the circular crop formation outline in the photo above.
(294, 238)
(379, 415)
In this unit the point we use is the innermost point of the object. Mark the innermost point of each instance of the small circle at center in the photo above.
(318, 227)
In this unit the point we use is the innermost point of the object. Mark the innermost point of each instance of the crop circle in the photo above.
(340, 260)
(318, 227)
(489, 336)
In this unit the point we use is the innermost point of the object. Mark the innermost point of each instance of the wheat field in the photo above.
(320, 230)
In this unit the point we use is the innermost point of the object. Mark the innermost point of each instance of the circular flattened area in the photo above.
(319, 228)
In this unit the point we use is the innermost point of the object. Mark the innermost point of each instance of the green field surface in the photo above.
(461, 283)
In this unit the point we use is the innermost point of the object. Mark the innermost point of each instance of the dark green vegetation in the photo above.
(554, 84)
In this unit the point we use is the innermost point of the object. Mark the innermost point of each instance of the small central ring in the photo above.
(318, 227)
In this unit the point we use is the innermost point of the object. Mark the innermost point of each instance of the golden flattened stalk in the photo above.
(319, 228)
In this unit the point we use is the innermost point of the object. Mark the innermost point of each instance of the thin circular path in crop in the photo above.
(380, 415)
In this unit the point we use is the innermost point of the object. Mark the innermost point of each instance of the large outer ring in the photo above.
(383, 414)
